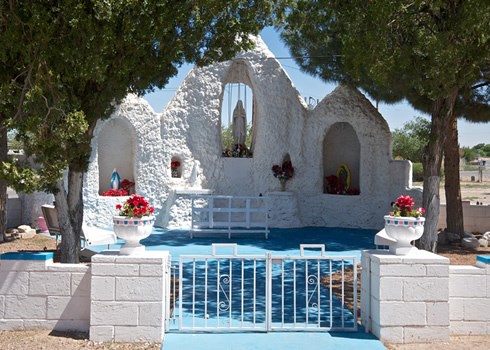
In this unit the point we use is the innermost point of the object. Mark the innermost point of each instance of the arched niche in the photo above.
(116, 150)
(237, 112)
(176, 167)
(341, 160)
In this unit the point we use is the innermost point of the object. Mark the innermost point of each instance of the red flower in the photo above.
(135, 206)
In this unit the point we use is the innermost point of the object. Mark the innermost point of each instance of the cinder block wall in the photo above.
(469, 298)
(36, 293)
(475, 217)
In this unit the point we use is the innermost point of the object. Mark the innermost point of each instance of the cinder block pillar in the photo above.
(405, 299)
(128, 297)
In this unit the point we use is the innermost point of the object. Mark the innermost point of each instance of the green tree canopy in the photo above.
(409, 141)
(431, 52)
(65, 65)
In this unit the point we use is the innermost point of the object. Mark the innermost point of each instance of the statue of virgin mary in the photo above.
(239, 124)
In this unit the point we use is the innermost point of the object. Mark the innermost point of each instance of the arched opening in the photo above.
(237, 113)
(176, 167)
(116, 149)
(341, 160)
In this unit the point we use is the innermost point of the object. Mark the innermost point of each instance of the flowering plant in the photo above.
(115, 193)
(403, 207)
(135, 206)
(174, 164)
(126, 185)
(284, 172)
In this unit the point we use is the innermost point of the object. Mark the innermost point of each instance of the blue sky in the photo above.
(470, 134)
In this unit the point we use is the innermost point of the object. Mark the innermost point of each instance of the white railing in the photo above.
(230, 214)
(232, 292)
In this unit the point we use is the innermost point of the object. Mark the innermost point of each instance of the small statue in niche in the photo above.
(115, 180)
(239, 124)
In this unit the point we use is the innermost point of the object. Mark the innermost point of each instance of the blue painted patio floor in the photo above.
(338, 241)
(273, 341)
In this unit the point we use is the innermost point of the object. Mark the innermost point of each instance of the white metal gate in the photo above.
(225, 291)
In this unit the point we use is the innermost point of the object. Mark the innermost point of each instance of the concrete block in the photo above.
(388, 288)
(115, 269)
(426, 258)
(73, 268)
(151, 314)
(52, 283)
(402, 314)
(113, 313)
(468, 328)
(101, 333)
(151, 270)
(14, 283)
(438, 314)
(80, 284)
(72, 325)
(425, 289)
(477, 309)
(138, 334)
(466, 270)
(11, 325)
(437, 270)
(426, 334)
(459, 286)
(40, 324)
(24, 265)
(456, 309)
(2, 306)
(388, 334)
(103, 288)
(148, 257)
(139, 288)
(68, 308)
(22, 307)
(399, 270)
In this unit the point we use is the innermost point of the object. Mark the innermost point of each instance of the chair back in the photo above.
(51, 216)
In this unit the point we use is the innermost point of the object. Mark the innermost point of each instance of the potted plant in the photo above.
(283, 173)
(404, 224)
(174, 167)
(133, 223)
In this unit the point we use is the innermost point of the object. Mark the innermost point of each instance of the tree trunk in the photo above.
(442, 109)
(454, 207)
(3, 184)
(69, 206)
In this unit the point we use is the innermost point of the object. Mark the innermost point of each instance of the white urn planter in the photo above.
(132, 230)
(403, 230)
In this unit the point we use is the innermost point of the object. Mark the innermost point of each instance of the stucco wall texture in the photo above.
(189, 129)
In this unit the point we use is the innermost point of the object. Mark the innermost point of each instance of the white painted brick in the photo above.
(24, 265)
(68, 308)
(456, 309)
(389, 288)
(103, 288)
(52, 283)
(40, 324)
(115, 269)
(425, 257)
(468, 328)
(80, 284)
(488, 286)
(477, 309)
(11, 325)
(438, 314)
(14, 283)
(151, 314)
(72, 325)
(138, 334)
(19, 307)
(148, 257)
(2, 306)
(151, 270)
(401, 270)
(425, 289)
(104, 258)
(388, 334)
(466, 270)
(467, 286)
(101, 333)
(139, 288)
(437, 270)
(73, 268)
(113, 313)
(426, 334)
(402, 314)
(375, 310)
